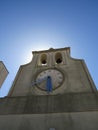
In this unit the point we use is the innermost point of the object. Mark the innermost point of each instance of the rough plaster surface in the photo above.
(59, 121)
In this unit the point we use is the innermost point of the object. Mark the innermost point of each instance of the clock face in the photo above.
(56, 79)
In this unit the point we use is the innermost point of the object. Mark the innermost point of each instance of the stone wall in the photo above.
(57, 121)
(72, 102)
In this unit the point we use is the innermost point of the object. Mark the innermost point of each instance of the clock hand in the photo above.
(49, 84)
(39, 81)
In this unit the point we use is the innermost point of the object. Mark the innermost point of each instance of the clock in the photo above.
(52, 78)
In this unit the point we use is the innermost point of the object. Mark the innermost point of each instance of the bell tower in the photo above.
(67, 75)
(52, 92)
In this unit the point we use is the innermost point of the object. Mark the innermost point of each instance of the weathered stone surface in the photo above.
(72, 106)
(72, 102)
(59, 121)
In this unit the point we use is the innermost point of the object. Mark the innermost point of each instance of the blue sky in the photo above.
(29, 25)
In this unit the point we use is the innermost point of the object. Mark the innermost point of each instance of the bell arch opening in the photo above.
(58, 58)
(43, 59)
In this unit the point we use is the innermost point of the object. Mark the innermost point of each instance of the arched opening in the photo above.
(58, 58)
(43, 59)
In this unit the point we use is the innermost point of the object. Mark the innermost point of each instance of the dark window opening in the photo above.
(58, 58)
(43, 59)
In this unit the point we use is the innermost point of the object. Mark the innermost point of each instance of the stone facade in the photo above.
(73, 105)
(76, 75)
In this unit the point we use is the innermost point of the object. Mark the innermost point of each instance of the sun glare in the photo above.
(27, 55)
(41, 46)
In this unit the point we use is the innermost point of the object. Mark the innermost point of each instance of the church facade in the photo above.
(52, 92)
